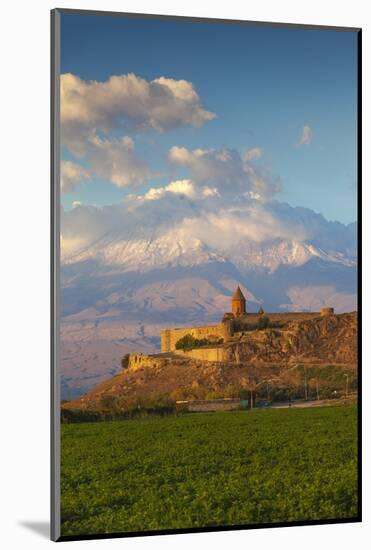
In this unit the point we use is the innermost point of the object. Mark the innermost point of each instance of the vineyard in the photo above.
(210, 469)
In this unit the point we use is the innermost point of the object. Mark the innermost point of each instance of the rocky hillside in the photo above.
(135, 278)
(266, 360)
(319, 340)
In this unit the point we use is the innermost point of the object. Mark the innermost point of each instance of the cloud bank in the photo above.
(253, 154)
(220, 222)
(182, 188)
(223, 198)
(126, 102)
(91, 110)
(226, 170)
(71, 175)
(160, 104)
(115, 160)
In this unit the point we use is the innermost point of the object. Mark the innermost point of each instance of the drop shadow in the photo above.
(42, 528)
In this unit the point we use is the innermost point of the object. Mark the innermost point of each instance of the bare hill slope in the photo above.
(271, 359)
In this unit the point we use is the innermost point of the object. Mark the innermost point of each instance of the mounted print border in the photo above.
(168, 321)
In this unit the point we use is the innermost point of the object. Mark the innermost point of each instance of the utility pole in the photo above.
(346, 384)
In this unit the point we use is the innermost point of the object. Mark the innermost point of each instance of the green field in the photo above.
(209, 469)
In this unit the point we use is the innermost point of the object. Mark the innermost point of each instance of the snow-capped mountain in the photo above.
(176, 249)
(169, 250)
(120, 290)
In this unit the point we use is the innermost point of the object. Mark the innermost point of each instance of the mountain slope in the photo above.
(120, 291)
(266, 355)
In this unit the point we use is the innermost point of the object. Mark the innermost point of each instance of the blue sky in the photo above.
(263, 83)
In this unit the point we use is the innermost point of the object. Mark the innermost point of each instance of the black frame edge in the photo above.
(200, 19)
(359, 266)
(55, 523)
(216, 529)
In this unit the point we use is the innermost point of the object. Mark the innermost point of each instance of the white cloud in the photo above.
(71, 244)
(224, 223)
(90, 110)
(227, 228)
(185, 188)
(182, 188)
(126, 101)
(306, 136)
(71, 175)
(225, 170)
(253, 154)
(219, 222)
(116, 161)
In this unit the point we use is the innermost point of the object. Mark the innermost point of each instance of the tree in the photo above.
(189, 342)
(263, 322)
(305, 384)
(108, 402)
(186, 343)
(125, 361)
(315, 385)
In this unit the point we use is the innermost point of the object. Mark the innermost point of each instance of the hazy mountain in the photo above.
(118, 292)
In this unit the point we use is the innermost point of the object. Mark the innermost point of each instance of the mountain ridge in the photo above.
(121, 290)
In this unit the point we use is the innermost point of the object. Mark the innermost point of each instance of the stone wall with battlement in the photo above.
(138, 360)
(285, 317)
(206, 353)
(283, 340)
(169, 337)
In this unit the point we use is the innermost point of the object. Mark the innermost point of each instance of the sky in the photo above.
(194, 103)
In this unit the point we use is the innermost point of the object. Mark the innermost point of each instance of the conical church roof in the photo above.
(238, 295)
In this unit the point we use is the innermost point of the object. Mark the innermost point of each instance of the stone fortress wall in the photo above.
(225, 330)
(209, 353)
(170, 336)
(228, 341)
(139, 360)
